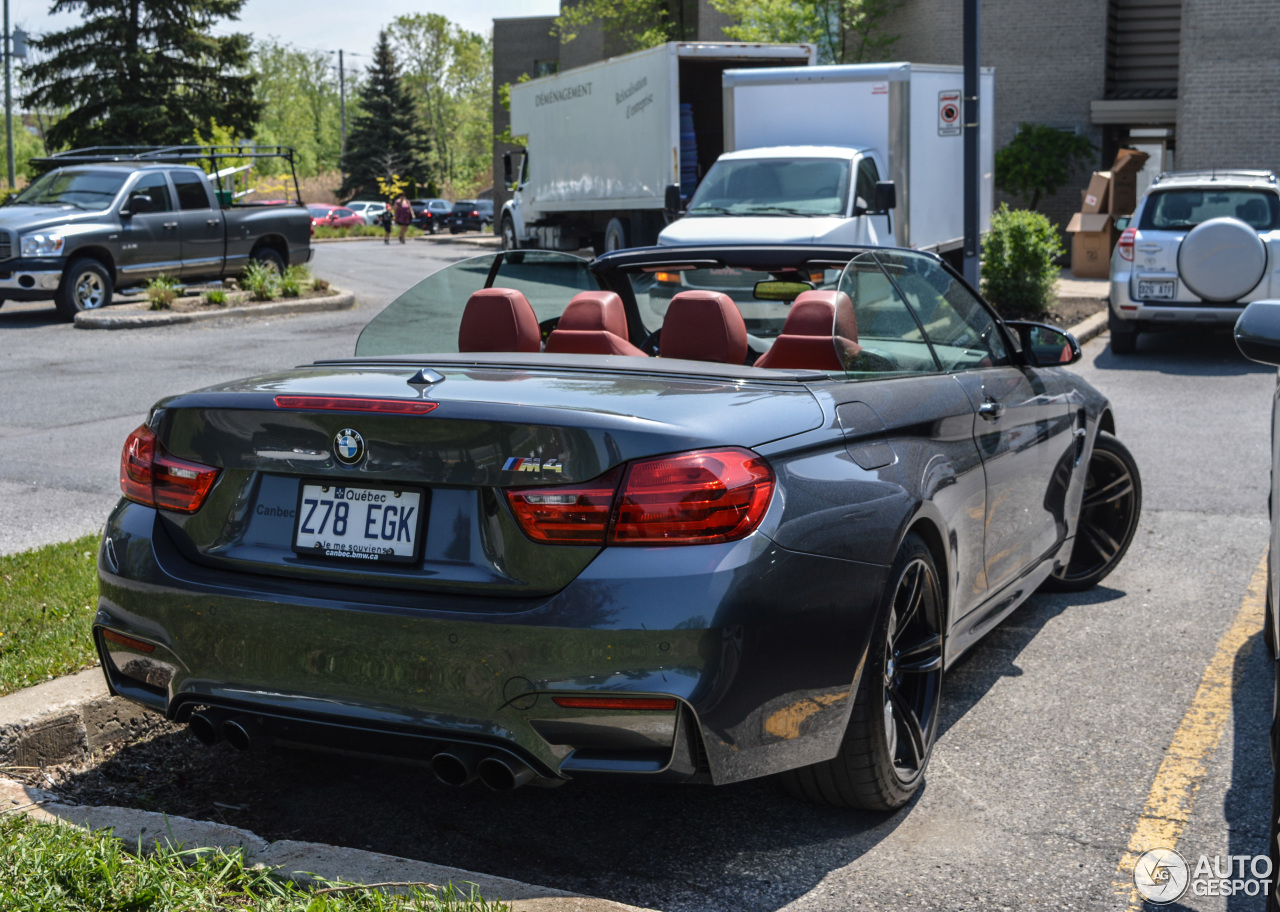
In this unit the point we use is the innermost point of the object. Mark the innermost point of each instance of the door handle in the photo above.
(170, 225)
(212, 222)
(991, 410)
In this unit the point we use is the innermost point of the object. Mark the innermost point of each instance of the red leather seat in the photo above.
(821, 333)
(704, 326)
(594, 323)
(499, 320)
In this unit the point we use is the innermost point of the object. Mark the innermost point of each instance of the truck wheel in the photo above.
(268, 256)
(509, 241)
(86, 285)
(615, 235)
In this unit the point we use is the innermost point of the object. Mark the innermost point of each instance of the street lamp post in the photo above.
(8, 99)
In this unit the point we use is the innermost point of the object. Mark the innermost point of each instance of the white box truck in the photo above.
(605, 141)
(851, 131)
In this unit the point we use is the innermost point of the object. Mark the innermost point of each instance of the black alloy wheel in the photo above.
(1108, 516)
(895, 717)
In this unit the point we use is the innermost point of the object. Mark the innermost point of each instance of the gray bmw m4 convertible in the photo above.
(691, 514)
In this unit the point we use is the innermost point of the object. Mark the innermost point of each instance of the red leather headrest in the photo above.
(595, 311)
(704, 326)
(499, 320)
(822, 313)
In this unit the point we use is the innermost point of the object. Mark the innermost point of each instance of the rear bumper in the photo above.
(1125, 307)
(759, 646)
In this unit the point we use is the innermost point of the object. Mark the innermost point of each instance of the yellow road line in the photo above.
(1169, 802)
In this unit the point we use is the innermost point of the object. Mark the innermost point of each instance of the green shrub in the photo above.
(320, 285)
(216, 296)
(1039, 160)
(261, 280)
(1018, 273)
(293, 281)
(162, 291)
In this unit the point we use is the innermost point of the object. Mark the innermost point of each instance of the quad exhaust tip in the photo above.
(502, 774)
(457, 765)
(237, 734)
(204, 728)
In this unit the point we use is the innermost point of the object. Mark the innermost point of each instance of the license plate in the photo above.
(1165, 288)
(382, 524)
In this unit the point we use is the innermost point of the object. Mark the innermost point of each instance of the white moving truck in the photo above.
(863, 127)
(605, 141)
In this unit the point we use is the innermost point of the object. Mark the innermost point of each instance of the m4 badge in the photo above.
(529, 464)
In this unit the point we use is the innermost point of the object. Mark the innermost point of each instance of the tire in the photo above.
(1268, 620)
(509, 241)
(1124, 335)
(894, 722)
(268, 256)
(615, 235)
(86, 285)
(1109, 515)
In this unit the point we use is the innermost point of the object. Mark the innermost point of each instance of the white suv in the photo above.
(1200, 246)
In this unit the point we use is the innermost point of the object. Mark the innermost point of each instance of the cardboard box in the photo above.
(1093, 235)
(1124, 181)
(1096, 197)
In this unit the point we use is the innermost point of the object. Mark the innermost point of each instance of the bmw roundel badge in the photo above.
(348, 446)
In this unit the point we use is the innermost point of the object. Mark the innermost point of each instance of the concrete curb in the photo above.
(304, 862)
(105, 319)
(1090, 327)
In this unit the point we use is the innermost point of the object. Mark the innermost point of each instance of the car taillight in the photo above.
(566, 514)
(701, 497)
(1125, 244)
(667, 278)
(150, 476)
(474, 214)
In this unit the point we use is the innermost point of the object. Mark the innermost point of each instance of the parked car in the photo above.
(369, 209)
(1195, 252)
(757, 553)
(431, 214)
(97, 221)
(1257, 335)
(471, 215)
(333, 216)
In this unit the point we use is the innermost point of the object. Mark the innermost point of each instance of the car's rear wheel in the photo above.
(1108, 519)
(86, 285)
(268, 256)
(1124, 334)
(894, 723)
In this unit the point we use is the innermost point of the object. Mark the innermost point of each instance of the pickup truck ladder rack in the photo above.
(171, 155)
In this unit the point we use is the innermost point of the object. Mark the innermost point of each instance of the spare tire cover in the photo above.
(1222, 259)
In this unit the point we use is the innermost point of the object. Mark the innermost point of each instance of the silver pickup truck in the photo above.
(89, 226)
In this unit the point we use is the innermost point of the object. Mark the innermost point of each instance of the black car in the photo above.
(547, 524)
(471, 215)
(431, 215)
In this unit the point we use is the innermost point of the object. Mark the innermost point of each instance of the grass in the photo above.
(261, 281)
(217, 297)
(162, 291)
(57, 868)
(47, 601)
(324, 231)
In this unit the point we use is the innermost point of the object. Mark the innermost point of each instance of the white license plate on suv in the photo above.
(1157, 289)
(381, 524)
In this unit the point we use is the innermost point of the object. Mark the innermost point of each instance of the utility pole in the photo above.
(342, 99)
(8, 98)
(972, 164)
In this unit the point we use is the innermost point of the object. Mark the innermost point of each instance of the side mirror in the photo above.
(886, 196)
(506, 169)
(138, 205)
(1258, 332)
(1123, 222)
(859, 206)
(1044, 345)
(671, 198)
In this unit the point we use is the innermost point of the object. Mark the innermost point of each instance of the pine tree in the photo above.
(139, 72)
(387, 139)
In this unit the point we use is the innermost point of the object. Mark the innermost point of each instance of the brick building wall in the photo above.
(1228, 79)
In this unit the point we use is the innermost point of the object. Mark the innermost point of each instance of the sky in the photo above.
(323, 24)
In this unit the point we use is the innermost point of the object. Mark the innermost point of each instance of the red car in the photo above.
(333, 216)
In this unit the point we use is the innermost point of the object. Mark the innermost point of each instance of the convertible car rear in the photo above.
(691, 514)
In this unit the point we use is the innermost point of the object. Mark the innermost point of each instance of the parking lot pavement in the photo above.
(1054, 732)
(71, 396)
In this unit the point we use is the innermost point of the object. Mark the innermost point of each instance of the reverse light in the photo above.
(1125, 244)
(150, 476)
(696, 498)
(42, 245)
(652, 704)
(350, 404)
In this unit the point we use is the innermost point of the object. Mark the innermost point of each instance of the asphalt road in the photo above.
(1054, 729)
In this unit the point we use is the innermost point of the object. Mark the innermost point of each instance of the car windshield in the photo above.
(782, 187)
(319, 211)
(1182, 209)
(427, 316)
(81, 189)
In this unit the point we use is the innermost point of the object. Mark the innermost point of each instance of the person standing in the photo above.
(404, 215)
(385, 218)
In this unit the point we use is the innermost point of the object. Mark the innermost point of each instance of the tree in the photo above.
(387, 139)
(1039, 160)
(845, 31)
(141, 72)
(632, 24)
(300, 105)
(451, 71)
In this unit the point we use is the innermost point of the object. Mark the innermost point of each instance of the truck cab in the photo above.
(789, 195)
